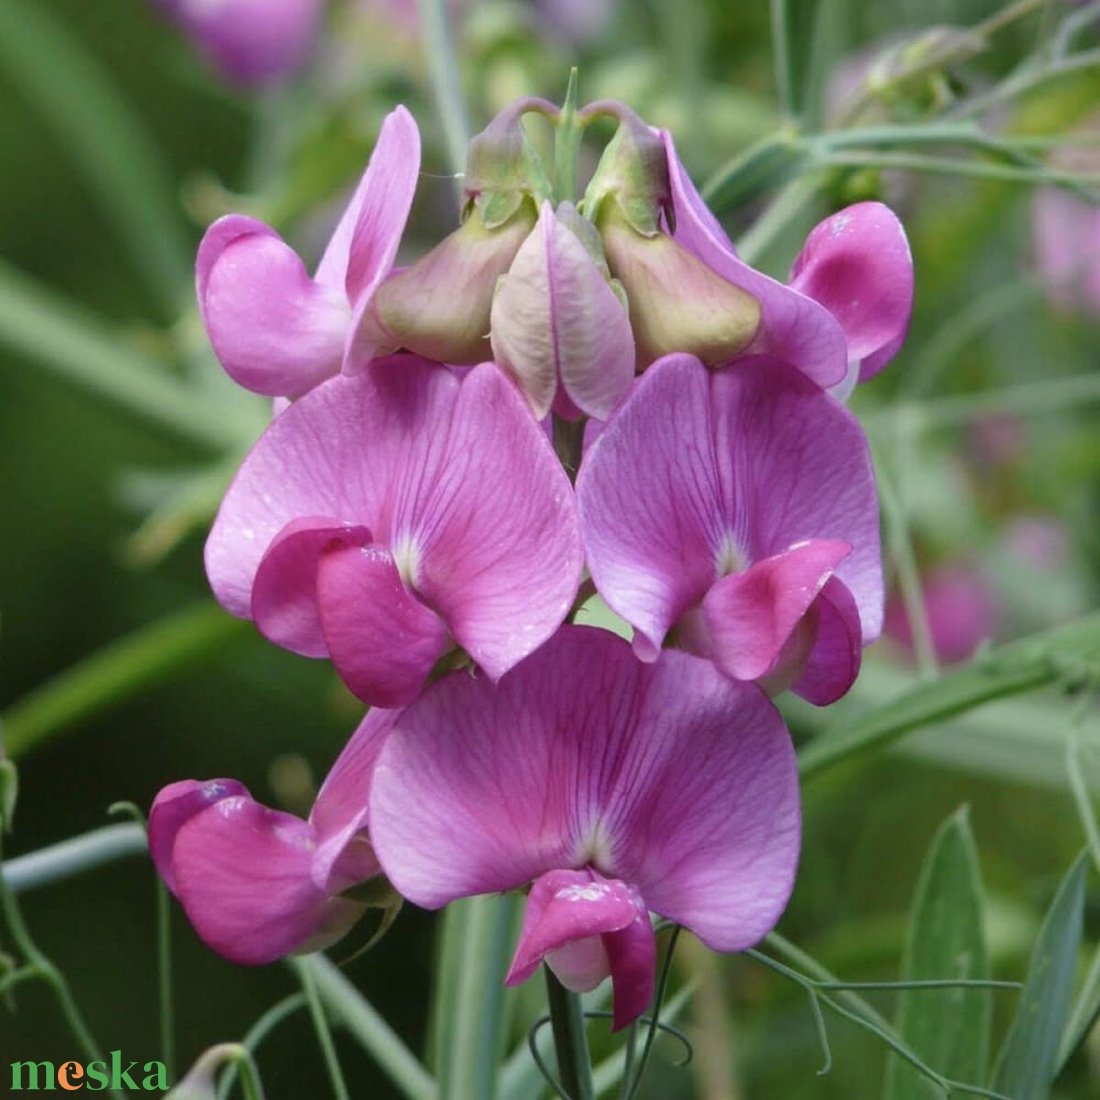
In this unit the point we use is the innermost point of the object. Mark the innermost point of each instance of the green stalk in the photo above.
(570, 1039)
(446, 82)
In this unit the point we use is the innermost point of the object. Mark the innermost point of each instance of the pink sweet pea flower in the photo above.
(557, 324)
(738, 508)
(846, 311)
(277, 331)
(252, 42)
(617, 788)
(256, 883)
(387, 517)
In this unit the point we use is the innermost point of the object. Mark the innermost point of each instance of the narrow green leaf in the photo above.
(46, 328)
(141, 659)
(106, 140)
(948, 1028)
(9, 791)
(1029, 1059)
(1020, 666)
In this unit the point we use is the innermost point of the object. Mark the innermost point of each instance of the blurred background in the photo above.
(122, 137)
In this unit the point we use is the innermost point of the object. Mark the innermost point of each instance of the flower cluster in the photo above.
(406, 516)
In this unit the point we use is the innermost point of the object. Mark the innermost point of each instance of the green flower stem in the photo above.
(148, 656)
(321, 1027)
(446, 81)
(105, 140)
(950, 166)
(570, 1039)
(37, 324)
(469, 1024)
(257, 1033)
(567, 144)
(45, 970)
(1043, 658)
(73, 856)
(347, 1005)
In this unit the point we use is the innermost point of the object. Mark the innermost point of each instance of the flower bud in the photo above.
(677, 303)
(439, 307)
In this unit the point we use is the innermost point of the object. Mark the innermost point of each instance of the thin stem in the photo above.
(446, 82)
(48, 972)
(260, 1031)
(654, 1019)
(73, 856)
(570, 1039)
(949, 166)
(370, 1030)
(1006, 16)
(322, 1030)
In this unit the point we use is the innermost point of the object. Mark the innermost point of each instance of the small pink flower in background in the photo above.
(1041, 542)
(557, 324)
(257, 883)
(846, 310)
(737, 510)
(961, 608)
(252, 42)
(387, 517)
(277, 331)
(617, 788)
(1066, 231)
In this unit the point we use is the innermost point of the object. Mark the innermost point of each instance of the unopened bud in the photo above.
(677, 303)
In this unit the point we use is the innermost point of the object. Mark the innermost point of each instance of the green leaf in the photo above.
(9, 791)
(948, 1028)
(1029, 1059)
(1086, 1011)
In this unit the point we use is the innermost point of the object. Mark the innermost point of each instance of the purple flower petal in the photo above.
(557, 318)
(858, 265)
(383, 641)
(669, 777)
(833, 662)
(793, 327)
(751, 614)
(242, 873)
(175, 805)
(587, 927)
(284, 593)
(699, 475)
(274, 329)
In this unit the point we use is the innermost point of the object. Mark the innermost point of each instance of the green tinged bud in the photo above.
(677, 303)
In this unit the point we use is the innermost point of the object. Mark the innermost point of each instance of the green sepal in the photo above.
(632, 173)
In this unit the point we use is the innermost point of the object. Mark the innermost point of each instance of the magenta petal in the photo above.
(834, 660)
(274, 330)
(242, 873)
(669, 777)
(793, 327)
(339, 817)
(858, 265)
(381, 638)
(649, 499)
(173, 807)
(363, 245)
(750, 615)
(501, 555)
(284, 594)
(586, 927)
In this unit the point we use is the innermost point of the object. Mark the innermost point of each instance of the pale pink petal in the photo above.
(834, 660)
(669, 777)
(751, 614)
(175, 805)
(382, 639)
(557, 318)
(858, 265)
(364, 243)
(343, 450)
(650, 501)
(793, 327)
(242, 873)
(587, 927)
(495, 532)
(339, 816)
(284, 593)
(274, 330)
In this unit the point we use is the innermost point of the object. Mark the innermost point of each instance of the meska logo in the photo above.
(95, 1076)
